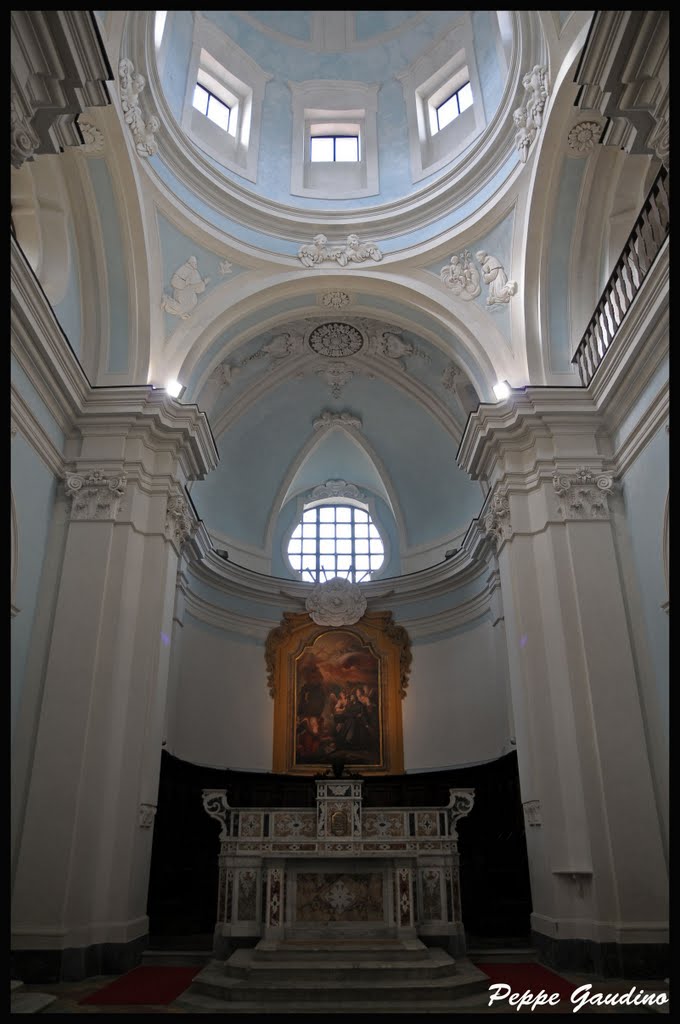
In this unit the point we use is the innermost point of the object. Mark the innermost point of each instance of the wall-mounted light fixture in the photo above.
(501, 389)
(174, 388)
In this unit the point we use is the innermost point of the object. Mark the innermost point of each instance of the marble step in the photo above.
(326, 987)
(30, 1002)
(207, 1004)
(175, 957)
(244, 963)
(15, 984)
(513, 955)
(317, 949)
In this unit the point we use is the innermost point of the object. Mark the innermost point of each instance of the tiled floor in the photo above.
(69, 993)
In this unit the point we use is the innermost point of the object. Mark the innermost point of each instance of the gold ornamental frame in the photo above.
(337, 695)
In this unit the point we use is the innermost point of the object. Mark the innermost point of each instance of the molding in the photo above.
(35, 434)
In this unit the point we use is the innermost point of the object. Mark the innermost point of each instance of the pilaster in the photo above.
(82, 877)
(598, 872)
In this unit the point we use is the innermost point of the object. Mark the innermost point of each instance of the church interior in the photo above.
(339, 503)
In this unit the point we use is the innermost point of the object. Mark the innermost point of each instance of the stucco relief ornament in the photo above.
(500, 289)
(335, 340)
(497, 519)
(336, 419)
(225, 267)
(180, 523)
(337, 602)
(353, 251)
(131, 85)
(461, 276)
(583, 136)
(336, 489)
(187, 284)
(335, 300)
(450, 376)
(529, 117)
(223, 375)
(288, 343)
(95, 496)
(23, 140)
(393, 346)
(584, 494)
(336, 375)
(147, 812)
(94, 140)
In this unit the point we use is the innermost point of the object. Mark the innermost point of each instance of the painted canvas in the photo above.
(337, 694)
(338, 702)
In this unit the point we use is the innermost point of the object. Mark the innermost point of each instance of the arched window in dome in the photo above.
(336, 540)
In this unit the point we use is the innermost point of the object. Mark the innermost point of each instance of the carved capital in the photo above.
(95, 496)
(94, 139)
(336, 602)
(583, 494)
(215, 804)
(180, 523)
(496, 521)
(147, 812)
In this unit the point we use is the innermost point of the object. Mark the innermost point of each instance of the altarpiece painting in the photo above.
(337, 693)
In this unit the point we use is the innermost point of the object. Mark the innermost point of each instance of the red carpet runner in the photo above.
(158, 986)
(145, 985)
(531, 977)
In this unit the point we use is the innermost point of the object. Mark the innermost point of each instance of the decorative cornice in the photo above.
(583, 494)
(336, 602)
(58, 70)
(94, 496)
(353, 251)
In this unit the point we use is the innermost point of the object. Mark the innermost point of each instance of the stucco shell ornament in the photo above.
(336, 602)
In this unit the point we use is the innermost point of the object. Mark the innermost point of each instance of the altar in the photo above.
(339, 871)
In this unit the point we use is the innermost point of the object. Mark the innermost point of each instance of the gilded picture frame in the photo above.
(337, 695)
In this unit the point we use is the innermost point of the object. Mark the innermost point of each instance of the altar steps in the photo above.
(335, 977)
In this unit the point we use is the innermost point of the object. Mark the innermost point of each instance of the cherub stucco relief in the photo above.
(186, 284)
(500, 289)
(461, 276)
(529, 117)
(316, 252)
(355, 251)
(132, 83)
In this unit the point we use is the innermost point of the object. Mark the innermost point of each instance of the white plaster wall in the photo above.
(455, 712)
(222, 714)
(456, 709)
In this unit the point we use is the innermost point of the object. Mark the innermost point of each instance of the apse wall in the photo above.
(456, 710)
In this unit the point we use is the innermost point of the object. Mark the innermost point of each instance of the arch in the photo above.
(303, 455)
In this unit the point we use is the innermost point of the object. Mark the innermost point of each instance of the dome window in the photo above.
(212, 106)
(338, 148)
(336, 540)
(447, 111)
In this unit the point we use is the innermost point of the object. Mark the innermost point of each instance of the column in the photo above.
(79, 901)
(598, 872)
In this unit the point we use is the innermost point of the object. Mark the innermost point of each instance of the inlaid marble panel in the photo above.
(341, 897)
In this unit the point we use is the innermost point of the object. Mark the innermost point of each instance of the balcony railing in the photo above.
(640, 251)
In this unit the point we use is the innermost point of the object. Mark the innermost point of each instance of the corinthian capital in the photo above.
(496, 520)
(583, 494)
(94, 495)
